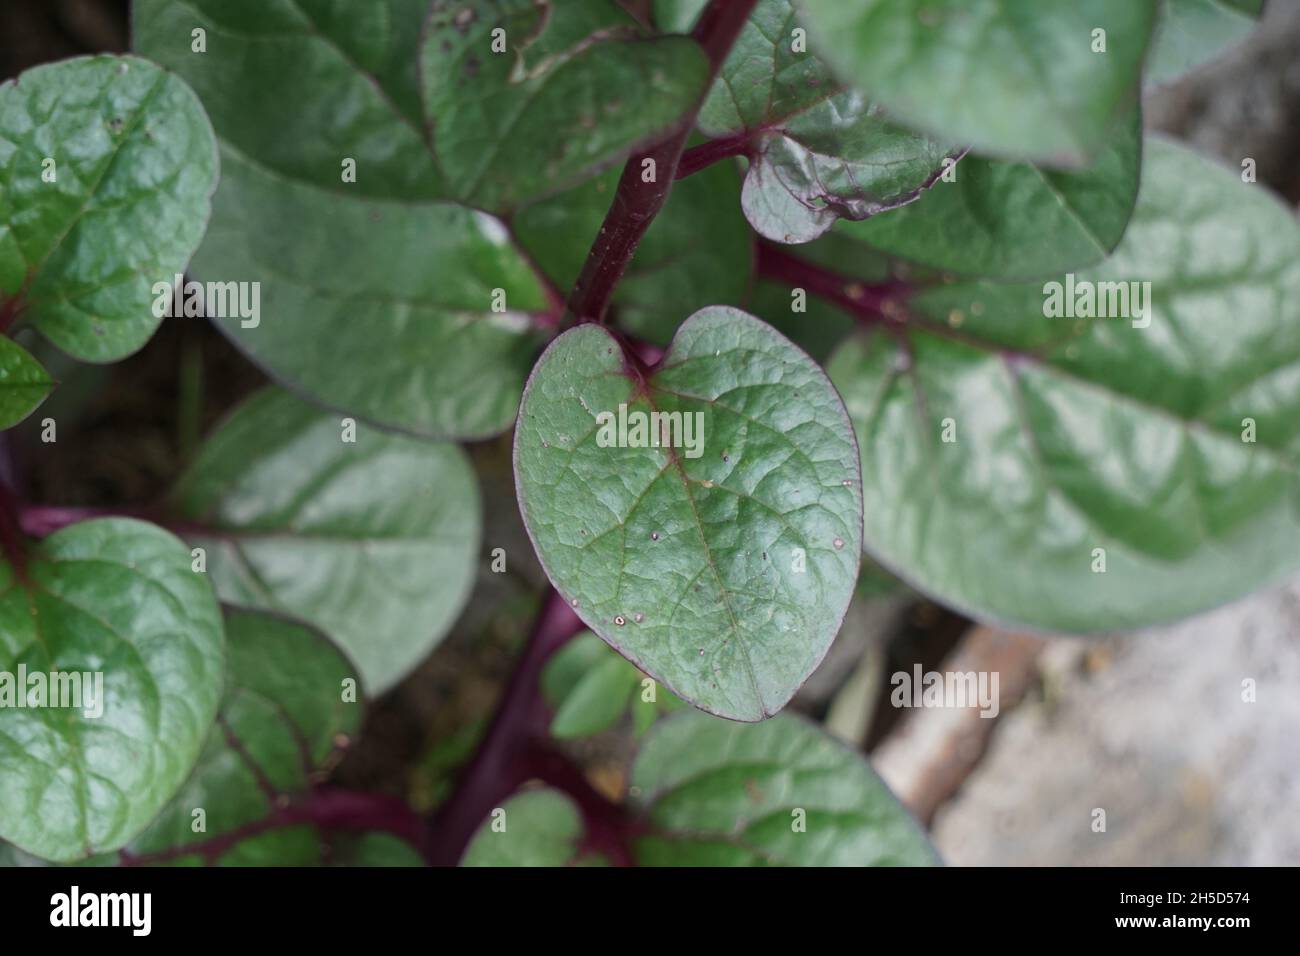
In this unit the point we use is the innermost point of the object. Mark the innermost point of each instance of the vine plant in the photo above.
(893, 276)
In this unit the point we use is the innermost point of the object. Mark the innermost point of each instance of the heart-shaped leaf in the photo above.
(374, 540)
(23, 383)
(706, 792)
(108, 165)
(1097, 473)
(111, 653)
(1005, 220)
(1017, 78)
(527, 98)
(711, 545)
(1193, 32)
(699, 250)
(418, 317)
(290, 705)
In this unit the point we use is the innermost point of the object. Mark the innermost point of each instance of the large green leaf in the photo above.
(707, 792)
(1001, 219)
(1082, 444)
(699, 250)
(1016, 78)
(108, 165)
(578, 88)
(1193, 32)
(115, 598)
(416, 95)
(286, 712)
(722, 566)
(23, 383)
(374, 542)
(380, 309)
(780, 793)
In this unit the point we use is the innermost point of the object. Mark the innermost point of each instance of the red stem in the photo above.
(503, 762)
(868, 302)
(326, 808)
(636, 202)
(715, 150)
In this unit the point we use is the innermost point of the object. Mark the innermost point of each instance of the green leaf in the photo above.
(1016, 78)
(373, 541)
(699, 250)
(114, 598)
(780, 793)
(591, 688)
(283, 719)
(816, 152)
(542, 828)
(1005, 220)
(23, 383)
(109, 164)
(417, 96)
(577, 89)
(1088, 443)
(721, 566)
(381, 309)
(1194, 32)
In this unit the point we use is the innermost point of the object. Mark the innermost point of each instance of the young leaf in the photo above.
(707, 792)
(542, 828)
(567, 90)
(1083, 474)
(698, 252)
(1194, 32)
(1016, 78)
(1005, 220)
(284, 715)
(109, 164)
(23, 383)
(817, 152)
(722, 565)
(591, 687)
(114, 602)
(780, 793)
(374, 541)
(417, 317)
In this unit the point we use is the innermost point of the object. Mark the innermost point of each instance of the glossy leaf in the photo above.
(782, 793)
(1016, 78)
(1194, 32)
(1005, 220)
(23, 383)
(282, 719)
(383, 310)
(373, 541)
(577, 88)
(817, 152)
(591, 688)
(418, 97)
(1099, 475)
(699, 250)
(721, 566)
(542, 828)
(114, 598)
(108, 165)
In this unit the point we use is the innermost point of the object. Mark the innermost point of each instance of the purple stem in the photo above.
(868, 302)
